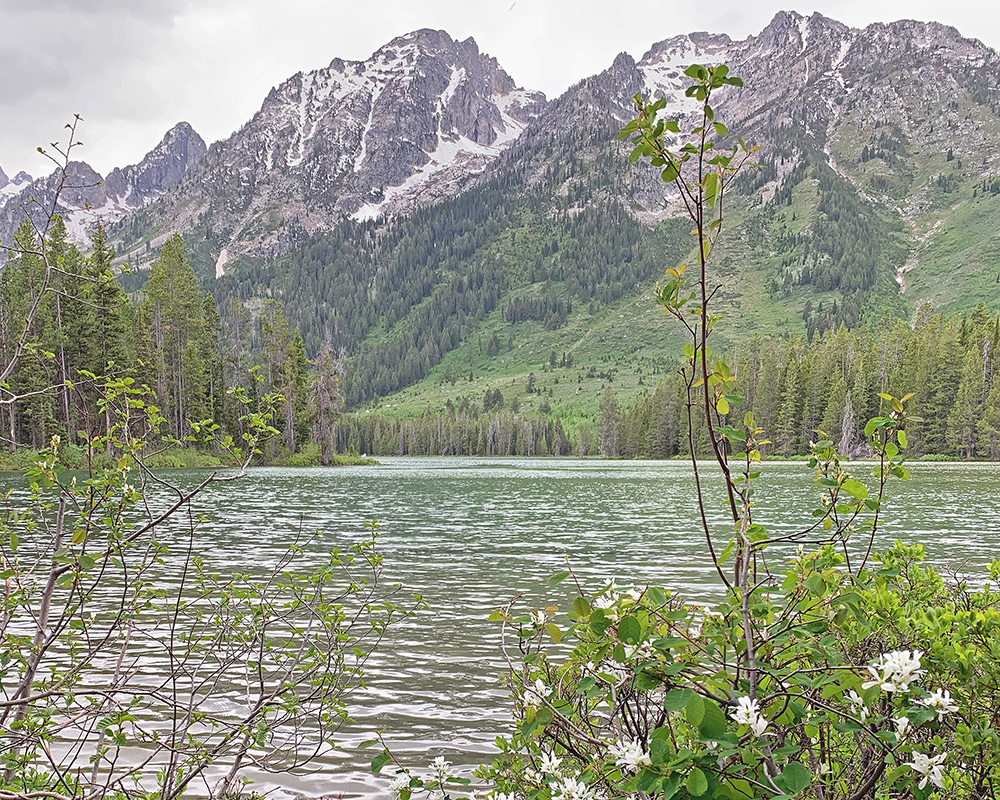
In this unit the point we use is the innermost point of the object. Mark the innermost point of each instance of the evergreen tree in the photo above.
(609, 425)
(178, 339)
(328, 399)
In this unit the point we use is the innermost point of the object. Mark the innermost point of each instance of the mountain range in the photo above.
(425, 165)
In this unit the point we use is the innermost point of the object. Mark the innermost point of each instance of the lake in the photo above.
(468, 534)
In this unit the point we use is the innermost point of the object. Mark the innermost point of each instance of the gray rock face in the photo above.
(415, 122)
(11, 186)
(813, 87)
(161, 170)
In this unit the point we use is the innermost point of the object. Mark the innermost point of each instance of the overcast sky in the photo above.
(134, 68)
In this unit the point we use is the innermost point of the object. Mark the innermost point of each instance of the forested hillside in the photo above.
(795, 388)
(399, 298)
(170, 338)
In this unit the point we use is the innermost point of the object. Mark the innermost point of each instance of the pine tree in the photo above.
(178, 340)
(328, 399)
(609, 425)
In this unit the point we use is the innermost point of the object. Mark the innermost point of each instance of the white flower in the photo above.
(929, 767)
(629, 755)
(896, 671)
(534, 776)
(502, 796)
(440, 767)
(824, 769)
(397, 786)
(858, 705)
(606, 600)
(572, 789)
(902, 725)
(550, 764)
(534, 694)
(941, 701)
(748, 713)
(537, 618)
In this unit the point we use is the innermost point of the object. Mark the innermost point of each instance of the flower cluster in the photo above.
(896, 671)
(940, 700)
(440, 767)
(572, 789)
(930, 767)
(748, 713)
(858, 707)
(397, 786)
(535, 694)
(629, 755)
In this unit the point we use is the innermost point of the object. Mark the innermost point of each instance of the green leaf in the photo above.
(599, 622)
(901, 437)
(380, 761)
(794, 778)
(697, 782)
(711, 188)
(721, 129)
(676, 699)
(558, 578)
(713, 724)
(694, 709)
(660, 751)
(856, 488)
(671, 172)
(722, 405)
(816, 585)
(645, 682)
(671, 786)
(580, 606)
(656, 595)
(554, 632)
(629, 630)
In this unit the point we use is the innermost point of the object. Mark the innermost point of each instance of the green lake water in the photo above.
(469, 534)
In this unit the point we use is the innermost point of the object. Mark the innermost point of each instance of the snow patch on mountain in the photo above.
(663, 68)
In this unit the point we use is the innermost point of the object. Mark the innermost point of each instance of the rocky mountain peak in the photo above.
(160, 170)
(87, 198)
(416, 121)
(11, 186)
